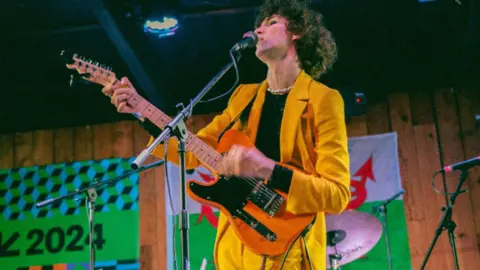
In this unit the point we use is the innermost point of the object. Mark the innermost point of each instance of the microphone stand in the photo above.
(91, 196)
(382, 210)
(446, 223)
(178, 129)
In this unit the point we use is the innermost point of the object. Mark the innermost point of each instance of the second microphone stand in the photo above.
(447, 223)
(382, 210)
(91, 197)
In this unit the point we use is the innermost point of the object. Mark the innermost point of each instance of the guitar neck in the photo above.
(204, 152)
(99, 74)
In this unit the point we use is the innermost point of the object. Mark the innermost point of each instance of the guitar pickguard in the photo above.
(233, 194)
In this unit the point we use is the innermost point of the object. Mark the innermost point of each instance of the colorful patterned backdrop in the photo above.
(56, 236)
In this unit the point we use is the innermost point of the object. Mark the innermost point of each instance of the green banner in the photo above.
(58, 235)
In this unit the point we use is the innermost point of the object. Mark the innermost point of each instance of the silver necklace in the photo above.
(279, 91)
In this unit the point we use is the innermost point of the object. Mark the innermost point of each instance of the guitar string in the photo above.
(264, 190)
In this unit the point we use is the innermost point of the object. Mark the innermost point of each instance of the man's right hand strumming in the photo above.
(120, 92)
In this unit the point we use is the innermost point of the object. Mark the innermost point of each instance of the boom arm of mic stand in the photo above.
(181, 116)
(97, 184)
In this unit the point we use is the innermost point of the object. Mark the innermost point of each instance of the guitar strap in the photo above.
(243, 115)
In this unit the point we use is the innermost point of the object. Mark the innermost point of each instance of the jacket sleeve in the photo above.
(329, 190)
(208, 134)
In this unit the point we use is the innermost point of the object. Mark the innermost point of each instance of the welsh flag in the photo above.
(375, 178)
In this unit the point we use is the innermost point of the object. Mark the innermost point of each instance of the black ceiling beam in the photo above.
(59, 31)
(126, 52)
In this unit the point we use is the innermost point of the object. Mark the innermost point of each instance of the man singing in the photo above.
(294, 120)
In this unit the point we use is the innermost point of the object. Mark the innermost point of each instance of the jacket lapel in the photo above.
(255, 113)
(294, 107)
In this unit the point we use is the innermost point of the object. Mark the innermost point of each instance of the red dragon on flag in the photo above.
(359, 195)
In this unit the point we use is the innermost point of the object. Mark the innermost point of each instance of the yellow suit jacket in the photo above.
(313, 137)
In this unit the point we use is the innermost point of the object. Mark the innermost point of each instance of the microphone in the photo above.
(250, 39)
(462, 165)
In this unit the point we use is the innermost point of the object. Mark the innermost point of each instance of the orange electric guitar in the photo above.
(256, 212)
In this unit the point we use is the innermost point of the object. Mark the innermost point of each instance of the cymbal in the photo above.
(354, 233)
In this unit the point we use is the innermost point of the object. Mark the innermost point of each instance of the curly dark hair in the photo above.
(316, 48)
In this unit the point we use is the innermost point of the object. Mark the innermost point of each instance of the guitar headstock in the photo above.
(90, 70)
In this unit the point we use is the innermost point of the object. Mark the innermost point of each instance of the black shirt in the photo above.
(268, 138)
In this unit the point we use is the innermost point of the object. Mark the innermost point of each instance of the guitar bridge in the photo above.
(266, 199)
(257, 226)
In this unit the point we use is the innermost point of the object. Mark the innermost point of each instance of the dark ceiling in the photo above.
(385, 46)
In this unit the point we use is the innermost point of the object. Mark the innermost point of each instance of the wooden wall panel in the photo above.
(83, 143)
(23, 150)
(357, 126)
(426, 144)
(377, 118)
(401, 123)
(102, 142)
(122, 139)
(7, 151)
(43, 147)
(417, 118)
(63, 145)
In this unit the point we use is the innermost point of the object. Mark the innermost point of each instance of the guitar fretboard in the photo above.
(204, 152)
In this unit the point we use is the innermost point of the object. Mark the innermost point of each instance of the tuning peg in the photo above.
(64, 57)
(78, 78)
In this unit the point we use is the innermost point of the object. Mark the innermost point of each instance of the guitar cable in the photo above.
(306, 251)
(237, 79)
(304, 245)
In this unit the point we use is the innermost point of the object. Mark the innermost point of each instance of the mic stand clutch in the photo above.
(91, 194)
(382, 210)
(177, 128)
(447, 223)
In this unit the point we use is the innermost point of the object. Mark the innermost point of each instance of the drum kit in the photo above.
(351, 234)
